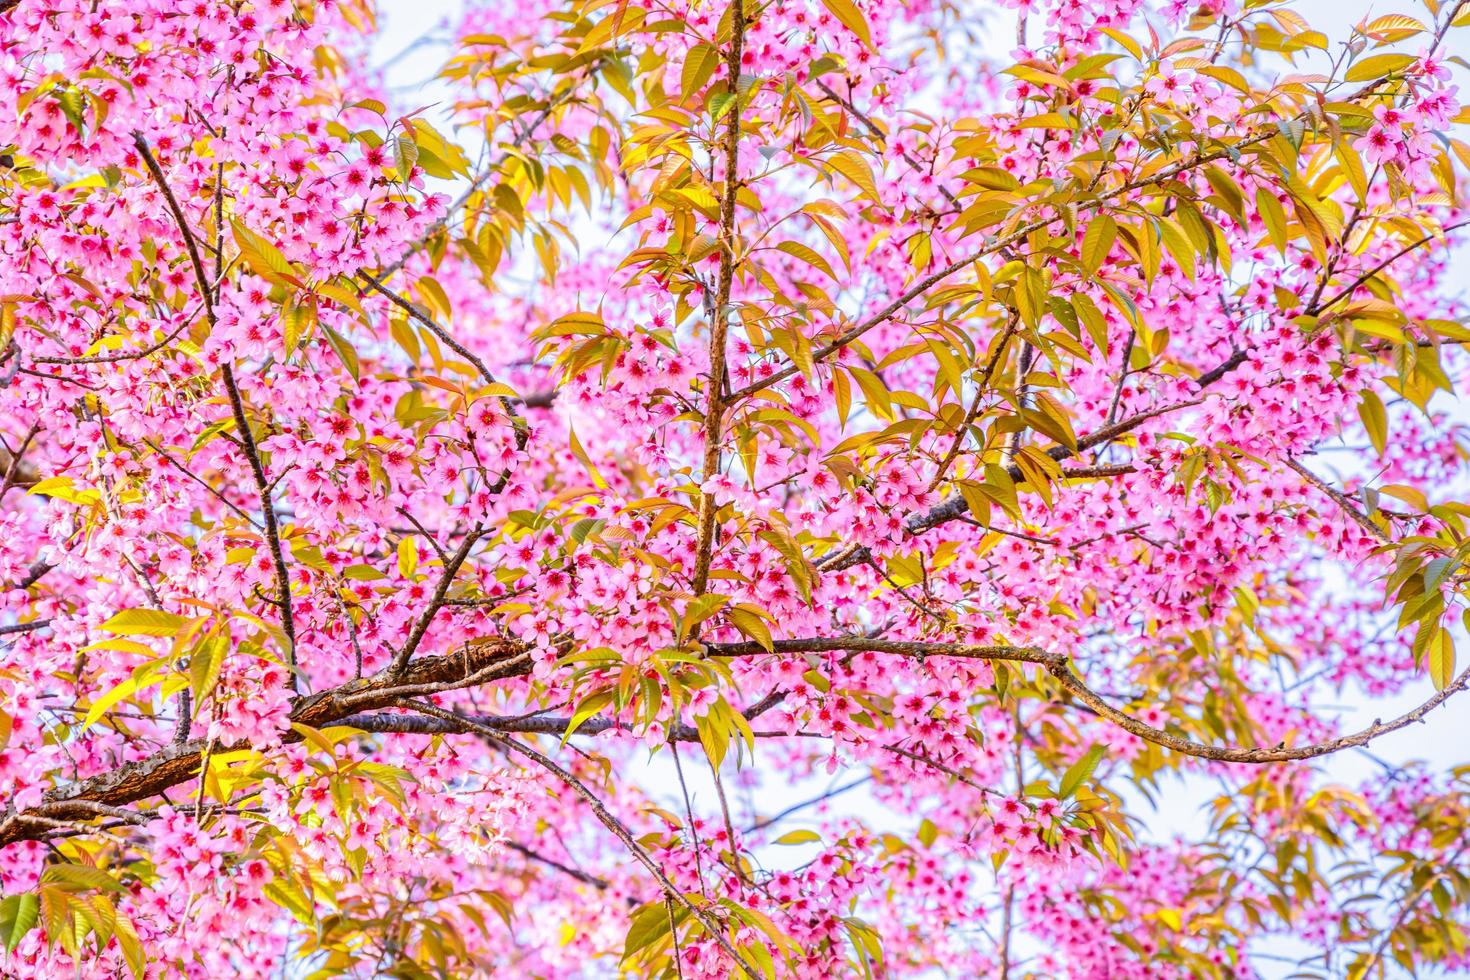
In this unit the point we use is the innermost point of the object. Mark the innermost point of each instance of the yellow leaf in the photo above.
(1375, 420)
(851, 17)
(1393, 27)
(296, 320)
(850, 164)
(581, 454)
(143, 676)
(699, 65)
(408, 556)
(145, 622)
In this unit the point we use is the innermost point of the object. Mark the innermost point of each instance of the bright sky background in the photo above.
(1443, 739)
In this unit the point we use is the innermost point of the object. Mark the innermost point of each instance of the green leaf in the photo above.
(1082, 769)
(650, 924)
(589, 706)
(797, 564)
(345, 352)
(72, 104)
(18, 916)
(719, 104)
(83, 877)
(405, 155)
(698, 610)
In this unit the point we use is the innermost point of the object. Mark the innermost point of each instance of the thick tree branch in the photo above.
(178, 764)
(719, 328)
(492, 661)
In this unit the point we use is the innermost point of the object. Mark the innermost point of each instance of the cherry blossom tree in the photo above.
(749, 488)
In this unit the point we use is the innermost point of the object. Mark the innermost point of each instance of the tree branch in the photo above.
(714, 412)
(178, 764)
(237, 408)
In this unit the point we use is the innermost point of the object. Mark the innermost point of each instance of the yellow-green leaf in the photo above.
(1080, 770)
(1377, 66)
(752, 626)
(1440, 657)
(145, 622)
(1375, 420)
(264, 259)
(18, 916)
(1097, 241)
(850, 164)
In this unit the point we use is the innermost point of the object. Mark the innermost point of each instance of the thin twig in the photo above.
(237, 407)
(604, 817)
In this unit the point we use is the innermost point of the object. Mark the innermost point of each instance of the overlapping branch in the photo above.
(487, 662)
(176, 764)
